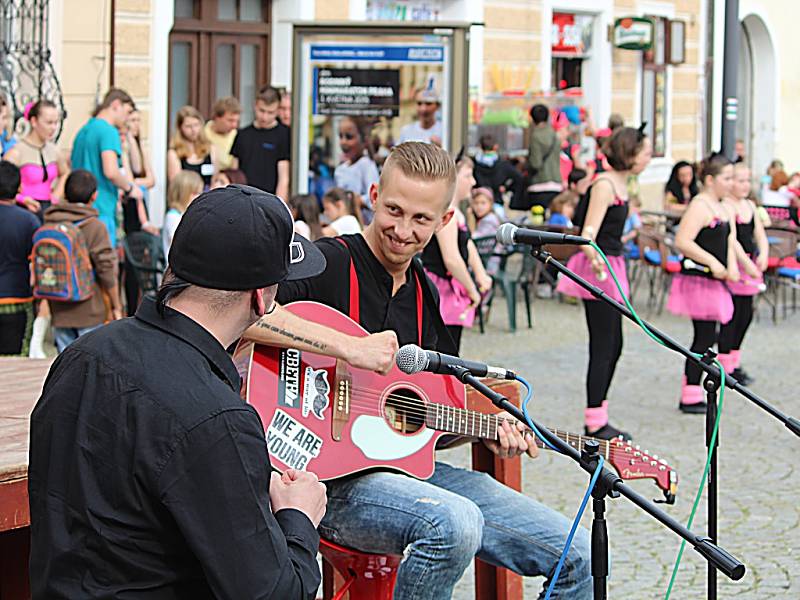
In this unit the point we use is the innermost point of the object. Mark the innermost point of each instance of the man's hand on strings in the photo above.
(513, 439)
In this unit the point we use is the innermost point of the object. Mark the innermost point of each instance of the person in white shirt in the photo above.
(426, 128)
(357, 171)
(342, 209)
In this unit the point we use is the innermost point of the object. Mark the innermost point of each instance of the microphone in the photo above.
(412, 359)
(511, 234)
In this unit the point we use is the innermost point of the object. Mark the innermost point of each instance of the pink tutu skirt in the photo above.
(453, 301)
(746, 286)
(700, 298)
(582, 267)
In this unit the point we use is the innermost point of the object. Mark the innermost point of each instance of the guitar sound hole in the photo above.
(404, 411)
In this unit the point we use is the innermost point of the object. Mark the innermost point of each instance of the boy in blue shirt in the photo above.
(97, 149)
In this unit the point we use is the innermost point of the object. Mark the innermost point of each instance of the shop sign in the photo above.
(403, 10)
(571, 34)
(357, 92)
(633, 33)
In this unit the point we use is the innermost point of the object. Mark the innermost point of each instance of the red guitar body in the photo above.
(324, 416)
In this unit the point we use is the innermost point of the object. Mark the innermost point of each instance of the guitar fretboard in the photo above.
(474, 424)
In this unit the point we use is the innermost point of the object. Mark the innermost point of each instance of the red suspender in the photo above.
(355, 300)
(419, 308)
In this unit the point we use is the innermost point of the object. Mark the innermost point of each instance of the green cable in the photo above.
(716, 422)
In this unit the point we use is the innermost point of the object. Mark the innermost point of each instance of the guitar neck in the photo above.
(461, 421)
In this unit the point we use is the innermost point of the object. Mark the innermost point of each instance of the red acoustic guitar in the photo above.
(324, 416)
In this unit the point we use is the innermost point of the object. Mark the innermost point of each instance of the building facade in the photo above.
(167, 53)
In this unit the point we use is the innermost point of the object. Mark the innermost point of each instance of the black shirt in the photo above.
(259, 151)
(432, 257)
(378, 310)
(17, 226)
(149, 476)
(609, 236)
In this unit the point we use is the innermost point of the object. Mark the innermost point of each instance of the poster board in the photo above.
(381, 84)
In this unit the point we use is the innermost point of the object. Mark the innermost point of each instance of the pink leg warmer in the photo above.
(691, 394)
(728, 362)
(736, 357)
(595, 418)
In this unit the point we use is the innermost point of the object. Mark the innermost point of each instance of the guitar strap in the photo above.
(355, 301)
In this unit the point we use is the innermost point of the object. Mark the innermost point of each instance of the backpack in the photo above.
(60, 264)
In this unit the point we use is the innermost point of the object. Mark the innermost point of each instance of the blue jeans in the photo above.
(64, 336)
(441, 524)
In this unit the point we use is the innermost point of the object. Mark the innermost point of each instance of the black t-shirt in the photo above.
(149, 476)
(378, 309)
(259, 151)
(17, 226)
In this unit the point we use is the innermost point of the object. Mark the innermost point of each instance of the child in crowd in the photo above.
(305, 211)
(632, 226)
(358, 170)
(190, 149)
(562, 209)
(601, 214)
(17, 226)
(226, 177)
(262, 150)
(483, 221)
(183, 188)
(342, 208)
(707, 238)
(74, 319)
(752, 252)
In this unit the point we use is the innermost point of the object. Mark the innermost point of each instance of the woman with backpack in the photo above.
(601, 214)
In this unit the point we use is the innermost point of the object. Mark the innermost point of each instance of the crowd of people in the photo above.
(398, 236)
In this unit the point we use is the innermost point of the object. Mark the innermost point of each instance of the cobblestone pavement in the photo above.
(758, 504)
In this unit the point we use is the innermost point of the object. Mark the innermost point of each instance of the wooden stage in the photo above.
(21, 381)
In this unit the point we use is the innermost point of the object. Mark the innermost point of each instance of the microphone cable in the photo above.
(711, 445)
(586, 496)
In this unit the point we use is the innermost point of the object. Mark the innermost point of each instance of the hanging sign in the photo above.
(633, 33)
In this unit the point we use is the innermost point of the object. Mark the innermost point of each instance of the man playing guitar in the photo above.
(439, 525)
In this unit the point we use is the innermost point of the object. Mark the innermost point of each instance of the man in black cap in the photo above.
(149, 476)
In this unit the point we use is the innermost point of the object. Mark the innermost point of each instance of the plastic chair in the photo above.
(366, 576)
(145, 253)
(780, 272)
(488, 249)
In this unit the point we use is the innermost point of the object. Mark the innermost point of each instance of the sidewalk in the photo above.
(758, 507)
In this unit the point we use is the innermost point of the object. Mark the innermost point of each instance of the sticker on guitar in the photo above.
(316, 392)
(291, 443)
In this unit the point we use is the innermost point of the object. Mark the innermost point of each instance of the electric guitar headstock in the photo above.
(632, 462)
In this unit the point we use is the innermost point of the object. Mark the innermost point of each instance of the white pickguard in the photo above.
(378, 441)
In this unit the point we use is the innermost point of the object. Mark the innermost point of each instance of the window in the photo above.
(654, 87)
(218, 48)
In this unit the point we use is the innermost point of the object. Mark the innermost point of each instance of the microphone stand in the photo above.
(711, 385)
(608, 484)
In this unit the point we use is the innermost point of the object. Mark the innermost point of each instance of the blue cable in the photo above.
(574, 528)
(586, 496)
(528, 421)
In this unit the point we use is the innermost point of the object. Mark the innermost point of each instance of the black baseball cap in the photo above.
(241, 238)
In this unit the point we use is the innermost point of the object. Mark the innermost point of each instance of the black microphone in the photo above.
(511, 234)
(412, 359)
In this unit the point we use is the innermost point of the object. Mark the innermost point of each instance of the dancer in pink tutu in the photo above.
(601, 214)
(707, 239)
(752, 252)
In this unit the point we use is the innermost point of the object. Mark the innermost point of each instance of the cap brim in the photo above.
(306, 260)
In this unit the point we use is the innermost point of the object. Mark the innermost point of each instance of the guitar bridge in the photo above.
(341, 401)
